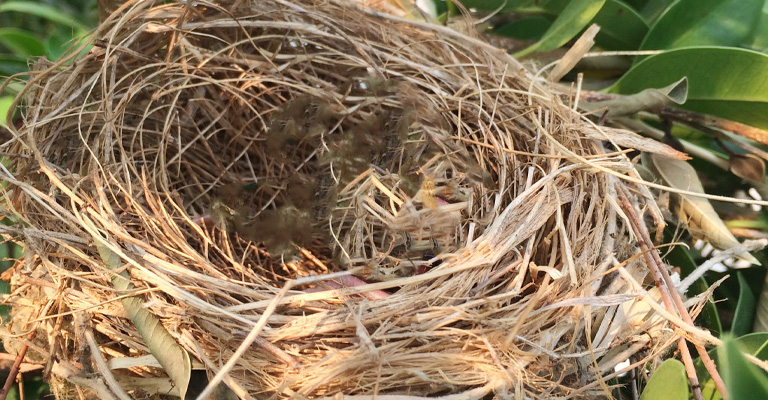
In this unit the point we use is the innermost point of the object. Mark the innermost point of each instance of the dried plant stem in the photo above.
(15, 368)
(25, 366)
(698, 119)
(111, 382)
(247, 342)
(694, 119)
(671, 299)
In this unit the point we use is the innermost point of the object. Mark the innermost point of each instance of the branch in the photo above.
(15, 368)
(695, 118)
(671, 299)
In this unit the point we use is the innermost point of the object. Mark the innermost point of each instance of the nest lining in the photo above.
(224, 149)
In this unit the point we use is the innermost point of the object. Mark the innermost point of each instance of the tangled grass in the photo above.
(440, 221)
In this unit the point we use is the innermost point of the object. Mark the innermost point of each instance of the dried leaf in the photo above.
(574, 54)
(747, 166)
(631, 140)
(648, 99)
(174, 359)
(699, 215)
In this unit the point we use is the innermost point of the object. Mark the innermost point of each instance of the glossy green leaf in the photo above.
(554, 7)
(621, 27)
(726, 82)
(43, 11)
(743, 380)
(653, 9)
(174, 359)
(21, 43)
(759, 39)
(493, 5)
(529, 28)
(668, 382)
(574, 17)
(745, 309)
(704, 23)
(636, 4)
(755, 344)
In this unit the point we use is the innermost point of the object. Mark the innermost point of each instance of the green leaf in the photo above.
(5, 287)
(742, 379)
(5, 106)
(668, 382)
(34, 388)
(528, 28)
(493, 5)
(574, 17)
(621, 27)
(761, 311)
(755, 344)
(636, 4)
(726, 82)
(12, 64)
(60, 42)
(44, 11)
(759, 39)
(745, 309)
(655, 8)
(6, 256)
(21, 42)
(554, 7)
(17, 251)
(689, 23)
(174, 359)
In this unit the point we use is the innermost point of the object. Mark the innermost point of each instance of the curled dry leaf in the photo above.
(648, 99)
(696, 212)
(747, 166)
(173, 358)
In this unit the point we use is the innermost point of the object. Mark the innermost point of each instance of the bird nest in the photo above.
(310, 198)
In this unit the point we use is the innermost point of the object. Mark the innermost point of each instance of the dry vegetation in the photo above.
(222, 150)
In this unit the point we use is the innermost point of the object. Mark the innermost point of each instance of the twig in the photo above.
(109, 378)
(692, 117)
(247, 342)
(671, 300)
(749, 245)
(15, 368)
(7, 360)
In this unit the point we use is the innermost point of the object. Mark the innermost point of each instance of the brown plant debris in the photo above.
(224, 149)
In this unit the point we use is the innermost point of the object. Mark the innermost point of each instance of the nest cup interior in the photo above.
(224, 149)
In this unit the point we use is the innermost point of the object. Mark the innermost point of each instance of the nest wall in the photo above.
(224, 149)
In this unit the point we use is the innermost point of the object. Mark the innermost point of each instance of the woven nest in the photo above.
(387, 206)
